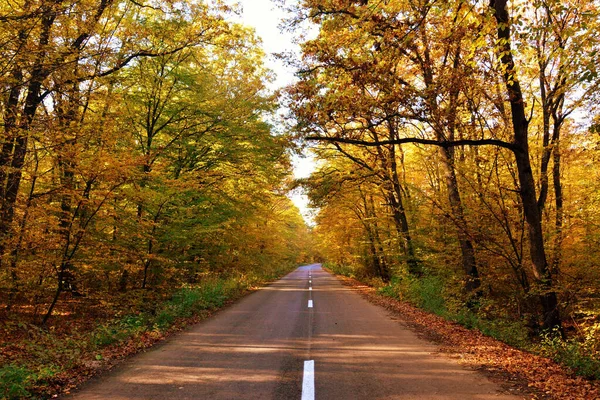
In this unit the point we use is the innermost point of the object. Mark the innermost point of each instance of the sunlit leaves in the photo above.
(148, 160)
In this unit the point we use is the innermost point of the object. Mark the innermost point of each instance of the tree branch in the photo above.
(444, 144)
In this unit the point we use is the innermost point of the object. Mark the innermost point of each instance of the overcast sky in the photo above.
(264, 16)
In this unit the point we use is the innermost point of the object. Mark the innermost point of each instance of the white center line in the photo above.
(310, 304)
(308, 382)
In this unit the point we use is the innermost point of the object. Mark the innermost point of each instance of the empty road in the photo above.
(304, 337)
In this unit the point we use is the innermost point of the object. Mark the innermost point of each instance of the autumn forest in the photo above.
(145, 169)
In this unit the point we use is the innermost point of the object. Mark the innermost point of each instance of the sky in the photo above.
(264, 16)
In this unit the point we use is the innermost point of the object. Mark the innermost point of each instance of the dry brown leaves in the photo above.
(519, 372)
(113, 355)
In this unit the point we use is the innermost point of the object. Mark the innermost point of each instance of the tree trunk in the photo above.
(15, 253)
(374, 255)
(466, 246)
(393, 189)
(445, 127)
(384, 270)
(399, 216)
(558, 198)
(378, 260)
(59, 290)
(541, 272)
(17, 134)
(123, 280)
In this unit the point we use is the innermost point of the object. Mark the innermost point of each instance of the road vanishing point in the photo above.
(305, 337)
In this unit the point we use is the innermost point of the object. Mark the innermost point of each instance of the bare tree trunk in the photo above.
(445, 127)
(393, 189)
(367, 216)
(57, 293)
(399, 215)
(15, 253)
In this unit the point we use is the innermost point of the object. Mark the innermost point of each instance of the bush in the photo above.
(339, 269)
(429, 292)
(124, 328)
(14, 381)
(581, 356)
(354, 272)
(513, 333)
(425, 292)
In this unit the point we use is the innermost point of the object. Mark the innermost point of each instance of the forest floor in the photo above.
(86, 337)
(519, 372)
(16, 349)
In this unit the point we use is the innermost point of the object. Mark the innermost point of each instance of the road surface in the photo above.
(304, 337)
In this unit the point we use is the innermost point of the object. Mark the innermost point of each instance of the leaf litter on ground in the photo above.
(517, 371)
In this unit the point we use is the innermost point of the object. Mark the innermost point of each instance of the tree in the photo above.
(445, 74)
(146, 159)
(52, 46)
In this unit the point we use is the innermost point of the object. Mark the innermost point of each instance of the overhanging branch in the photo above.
(432, 142)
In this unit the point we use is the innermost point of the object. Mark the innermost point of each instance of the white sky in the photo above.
(264, 16)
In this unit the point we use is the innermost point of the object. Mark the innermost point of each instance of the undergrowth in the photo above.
(582, 356)
(44, 355)
(428, 292)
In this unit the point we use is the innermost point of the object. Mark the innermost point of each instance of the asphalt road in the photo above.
(304, 337)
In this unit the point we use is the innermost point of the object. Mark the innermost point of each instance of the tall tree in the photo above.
(447, 74)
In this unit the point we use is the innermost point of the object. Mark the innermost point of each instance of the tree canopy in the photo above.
(454, 135)
(136, 152)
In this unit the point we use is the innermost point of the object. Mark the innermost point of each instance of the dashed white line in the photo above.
(308, 382)
(310, 304)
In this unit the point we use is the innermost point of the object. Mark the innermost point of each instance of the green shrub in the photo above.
(513, 333)
(429, 292)
(340, 269)
(581, 356)
(184, 302)
(425, 292)
(390, 290)
(213, 294)
(14, 381)
(120, 330)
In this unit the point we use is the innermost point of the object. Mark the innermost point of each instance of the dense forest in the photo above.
(135, 151)
(135, 160)
(458, 142)
(144, 174)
